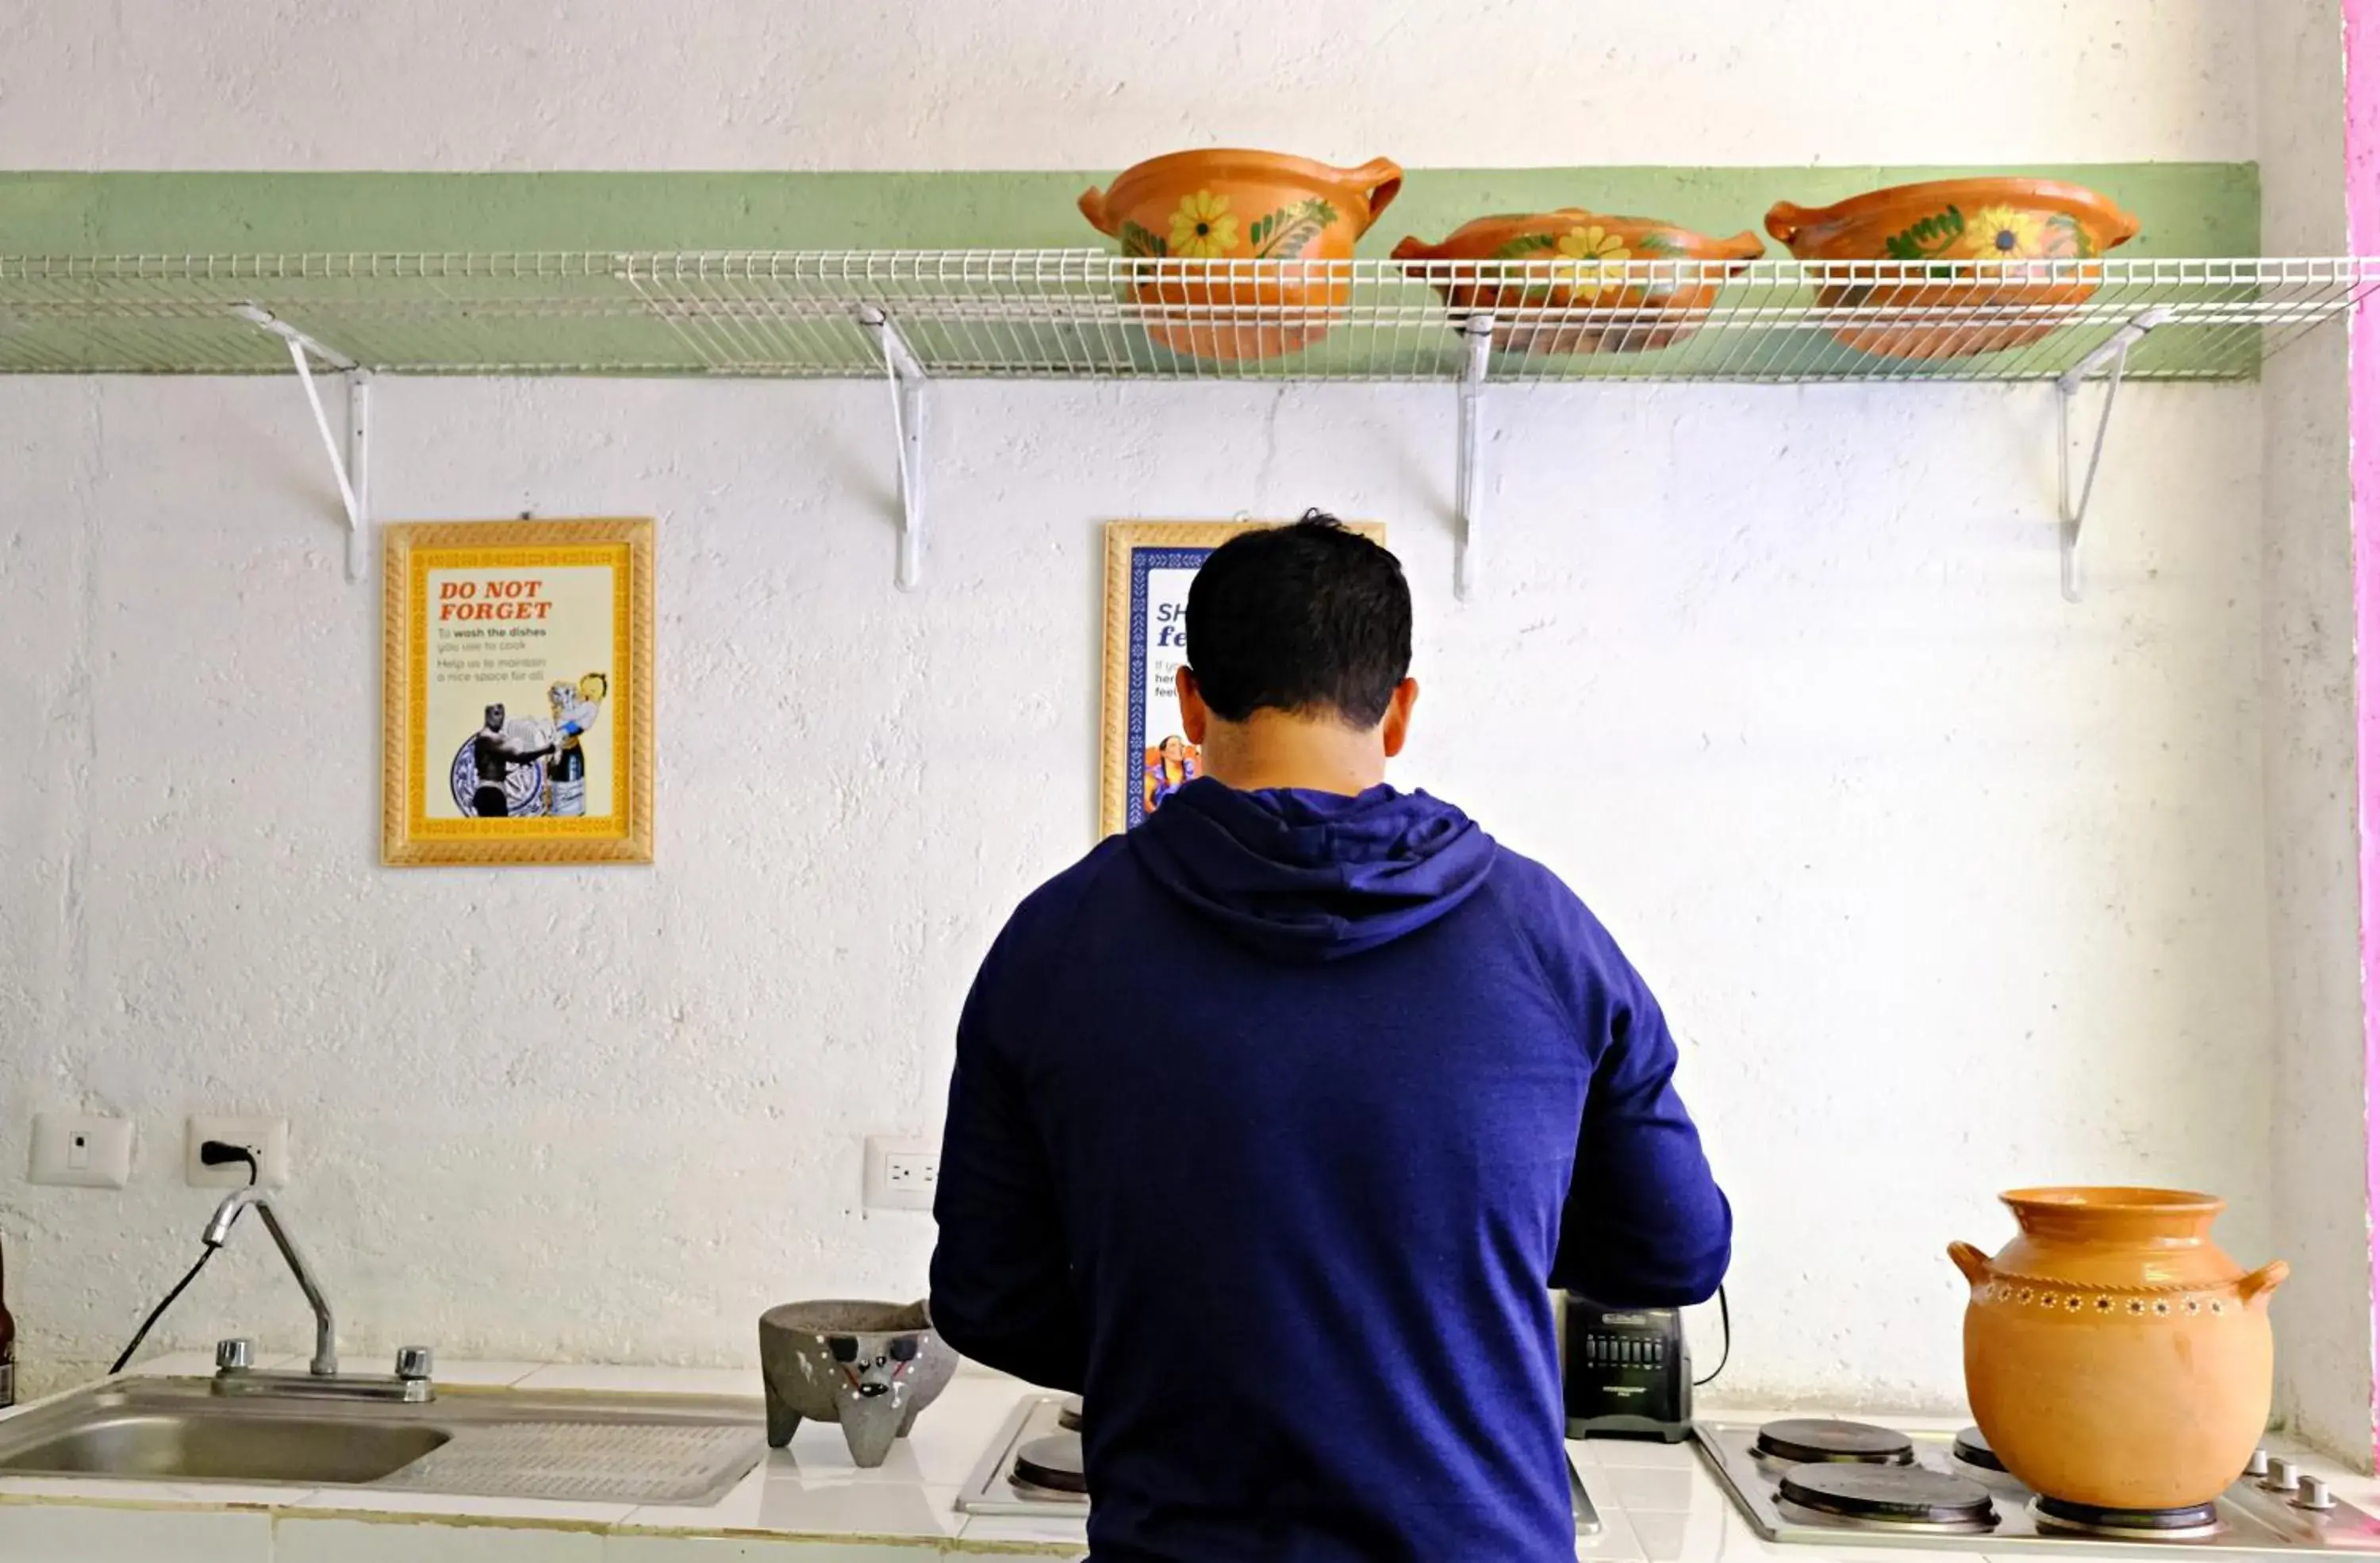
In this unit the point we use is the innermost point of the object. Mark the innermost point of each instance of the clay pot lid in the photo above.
(1900, 1494)
(1054, 1464)
(1823, 1441)
(1973, 1449)
(2188, 1522)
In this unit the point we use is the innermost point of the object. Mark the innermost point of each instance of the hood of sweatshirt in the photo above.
(1314, 876)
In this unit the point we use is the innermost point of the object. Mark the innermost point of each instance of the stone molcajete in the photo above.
(872, 1366)
(1184, 212)
(2116, 1357)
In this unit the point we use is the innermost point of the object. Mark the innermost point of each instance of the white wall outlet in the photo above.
(80, 1150)
(901, 1174)
(267, 1139)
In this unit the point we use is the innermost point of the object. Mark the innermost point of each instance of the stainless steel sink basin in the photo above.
(620, 1449)
(183, 1447)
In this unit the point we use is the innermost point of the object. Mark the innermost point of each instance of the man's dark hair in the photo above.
(1311, 618)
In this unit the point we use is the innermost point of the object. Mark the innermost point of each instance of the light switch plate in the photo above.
(80, 1150)
(266, 1138)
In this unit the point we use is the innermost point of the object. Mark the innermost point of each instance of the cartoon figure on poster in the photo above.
(1171, 765)
(521, 767)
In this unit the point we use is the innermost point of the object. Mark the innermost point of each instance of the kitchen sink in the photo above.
(589, 1448)
(182, 1446)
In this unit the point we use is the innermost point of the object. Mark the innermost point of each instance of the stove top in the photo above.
(1039, 1452)
(1842, 1483)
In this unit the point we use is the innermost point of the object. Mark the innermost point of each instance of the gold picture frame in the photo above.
(1148, 567)
(516, 694)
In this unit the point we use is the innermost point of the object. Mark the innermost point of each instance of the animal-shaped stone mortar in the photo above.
(872, 1366)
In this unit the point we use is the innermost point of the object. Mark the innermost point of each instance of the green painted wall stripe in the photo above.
(2186, 209)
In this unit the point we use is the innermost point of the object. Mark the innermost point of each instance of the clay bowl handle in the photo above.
(1093, 205)
(1973, 1262)
(2260, 1283)
(1745, 246)
(1785, 220)
(1410, 248)
(1379, 182)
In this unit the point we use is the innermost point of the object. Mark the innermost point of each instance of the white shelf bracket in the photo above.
(2111, 354)
(1479, 335)
(350, 468)
(906, 378)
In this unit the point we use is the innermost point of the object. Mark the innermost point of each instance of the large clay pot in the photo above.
(870, 1366)
(2116, 1357)
(1183, 214)
(1982, 232)
(1587, 301)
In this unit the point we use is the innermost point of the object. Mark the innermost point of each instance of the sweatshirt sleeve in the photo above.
(1645, 1224)
(1002, 1292)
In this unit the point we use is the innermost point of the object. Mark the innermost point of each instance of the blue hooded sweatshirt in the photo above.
(1272, 1122)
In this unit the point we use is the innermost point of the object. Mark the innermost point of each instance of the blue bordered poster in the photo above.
(1144, 756)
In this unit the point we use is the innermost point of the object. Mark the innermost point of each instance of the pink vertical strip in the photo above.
(2362, 27)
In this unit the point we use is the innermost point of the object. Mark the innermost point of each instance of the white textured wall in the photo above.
(1948, 886)
(2323, 1317)
(1088, 83)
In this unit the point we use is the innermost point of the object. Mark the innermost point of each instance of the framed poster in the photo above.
(517, 701)
(1144, 758)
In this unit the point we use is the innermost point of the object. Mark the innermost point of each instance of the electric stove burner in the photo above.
(2193, 1523)
(1815, 1441)
(1969, 1449)
(1070, 1414)
(1054, 1465)
(1894, 1497)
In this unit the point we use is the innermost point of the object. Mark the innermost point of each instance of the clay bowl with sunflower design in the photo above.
(1588, 296)
(1241, 253)
(2014, 259)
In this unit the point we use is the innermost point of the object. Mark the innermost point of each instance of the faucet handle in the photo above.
(413, 1363)
(235, 1355)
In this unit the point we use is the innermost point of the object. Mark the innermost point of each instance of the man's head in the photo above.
(495, 719)
(1298, 640)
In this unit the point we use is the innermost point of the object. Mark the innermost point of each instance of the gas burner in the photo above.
(1888, 1497)
(2194, 1523)
(1969, 1449)
(1070, 1414)
(1816, 1441)
(1054, 1465)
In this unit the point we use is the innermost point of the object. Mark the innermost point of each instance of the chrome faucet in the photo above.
(326, 1349)
(234, 1374)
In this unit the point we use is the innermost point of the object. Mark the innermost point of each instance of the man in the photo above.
(1293, 1244)
(494, 753)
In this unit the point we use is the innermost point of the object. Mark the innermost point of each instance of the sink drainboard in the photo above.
(583, 1461)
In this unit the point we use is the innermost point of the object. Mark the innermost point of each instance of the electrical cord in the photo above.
(154, 1314)
(215, 1153)
(1726, 1342)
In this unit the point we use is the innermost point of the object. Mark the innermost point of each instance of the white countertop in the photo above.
(803, 1503)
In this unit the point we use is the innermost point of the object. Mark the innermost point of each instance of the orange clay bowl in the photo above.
(1236, 245)
(1589, 299)
(1987, 302)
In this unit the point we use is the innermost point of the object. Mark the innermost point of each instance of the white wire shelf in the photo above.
(1066, 314)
